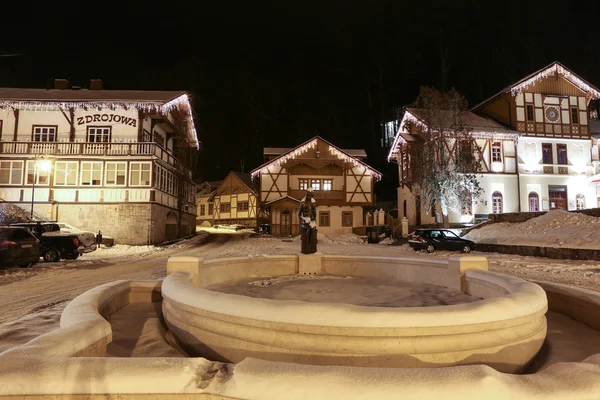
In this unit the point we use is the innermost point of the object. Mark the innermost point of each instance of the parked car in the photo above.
(54, 245)
(439, 239)
(87, 240)
(19, 247)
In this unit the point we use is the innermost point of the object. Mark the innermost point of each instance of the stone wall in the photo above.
(525, 216)
(538, 251)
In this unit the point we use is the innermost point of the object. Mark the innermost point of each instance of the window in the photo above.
(225, 207)
(574, 115)
(159, 139)
(65, 173)
(529, 113)
(316, 184)
(303, 184)
(98, 134)
(323, 218)
(11, 172)
(561, 153)
(115, 174)
(497, 203)
(534, 202)
(211, 208)
(327, 184)
(243, 206)
(496, 152)
(347, 218)
(547, 153)
(44, 133)
(467, 203)
(42, 176)
(91, 173)
(139, 174)
(580, 201)
(202, 209)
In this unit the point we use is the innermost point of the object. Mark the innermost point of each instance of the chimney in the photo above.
(95, 84)
(61, 84)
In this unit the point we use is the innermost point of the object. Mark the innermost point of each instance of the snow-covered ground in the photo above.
(554, 229)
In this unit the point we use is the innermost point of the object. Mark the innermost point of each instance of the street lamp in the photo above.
(43, 165)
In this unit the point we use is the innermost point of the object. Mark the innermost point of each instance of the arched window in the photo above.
(466, 203)
(534, 202)
(497, 203)
(580, 201)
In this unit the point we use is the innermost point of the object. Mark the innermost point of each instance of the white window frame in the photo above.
(530, 197)
(315, 182)
(497, 203)
(107, 170)
(580, 201)
(497, 152)
(105, 132)
(327, 184)
(51, 130)
(12, 168)
(71, 166)
(91, 170)
(37, 174)
(139, 173)
(303, 183)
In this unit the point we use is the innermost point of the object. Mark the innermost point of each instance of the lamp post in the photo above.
(45, 165)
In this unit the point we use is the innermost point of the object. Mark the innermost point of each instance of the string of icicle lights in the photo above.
(181, 102)
(303, 149)
(552, 70)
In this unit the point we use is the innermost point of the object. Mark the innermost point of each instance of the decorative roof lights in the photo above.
(182, 102)
(285, 157)
(351, 160)
(553, 69)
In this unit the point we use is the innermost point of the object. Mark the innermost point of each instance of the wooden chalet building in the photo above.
(119, 161)
(536, 143)
(235, 201)
(341, 180)
(205, 207)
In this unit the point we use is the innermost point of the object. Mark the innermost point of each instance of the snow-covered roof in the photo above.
(479, 126)
(551, 69)
(275, 151)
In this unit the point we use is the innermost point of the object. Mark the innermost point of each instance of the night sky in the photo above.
(276, 74)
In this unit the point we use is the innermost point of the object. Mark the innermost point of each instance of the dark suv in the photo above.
(56, 246)
(18, 247)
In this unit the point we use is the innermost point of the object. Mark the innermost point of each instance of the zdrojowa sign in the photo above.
(114, 118)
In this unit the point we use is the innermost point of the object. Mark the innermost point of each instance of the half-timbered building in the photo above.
(235, 201)
(534, 141)
(204, 204)
(342, 183)
(111, 160)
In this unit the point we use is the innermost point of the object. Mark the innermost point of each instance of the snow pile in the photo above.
(387, 241)
(11, 214)
(556, 228)
(345, 238)
(123, 250)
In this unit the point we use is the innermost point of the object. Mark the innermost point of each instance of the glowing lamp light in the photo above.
(44, 165)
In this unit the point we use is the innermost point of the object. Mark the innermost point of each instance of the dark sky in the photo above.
(278, 73)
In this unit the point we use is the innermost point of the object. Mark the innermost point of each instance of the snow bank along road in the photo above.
(25, 291)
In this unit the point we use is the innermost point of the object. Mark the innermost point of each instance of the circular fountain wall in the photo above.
(503, 330)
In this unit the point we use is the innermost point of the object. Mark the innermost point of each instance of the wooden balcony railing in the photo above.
(319, 194)
(86, 148)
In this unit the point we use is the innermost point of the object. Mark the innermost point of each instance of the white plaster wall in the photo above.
(29, 118)
(575, 185)
(335, 219)
(120, 132)
(505, 184)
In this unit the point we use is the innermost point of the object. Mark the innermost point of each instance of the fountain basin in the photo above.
(504, 330)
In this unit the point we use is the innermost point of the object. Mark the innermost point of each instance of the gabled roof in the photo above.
(268, 203)
(312, 143)
(480, 127)
(246, 179)
(553, 68)
(275, 151)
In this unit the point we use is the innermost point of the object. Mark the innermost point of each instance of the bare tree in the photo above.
(444, 164)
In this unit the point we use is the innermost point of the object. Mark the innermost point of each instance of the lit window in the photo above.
(139, 174)
(42, 175)
(497, 203)
(91, 173)
(316, 184)
(65, 173)
(580, 201)
(44, 133)
(534, 202)
(327, 184)
(496, 152)
(116, 173)
(11, 172)
(303, 184)
(98, 134)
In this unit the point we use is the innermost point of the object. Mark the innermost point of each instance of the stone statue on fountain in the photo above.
(308, 225)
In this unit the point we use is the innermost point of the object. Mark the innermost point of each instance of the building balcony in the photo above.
(319, 194)
(92, 149)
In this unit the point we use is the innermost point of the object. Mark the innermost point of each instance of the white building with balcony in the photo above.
(111, 160)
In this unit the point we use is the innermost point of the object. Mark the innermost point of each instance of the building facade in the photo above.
(205, 206)
(235, 201)
(342, 183)
(536, 143)
(115, 161)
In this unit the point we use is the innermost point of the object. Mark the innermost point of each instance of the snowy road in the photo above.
(26, 291)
